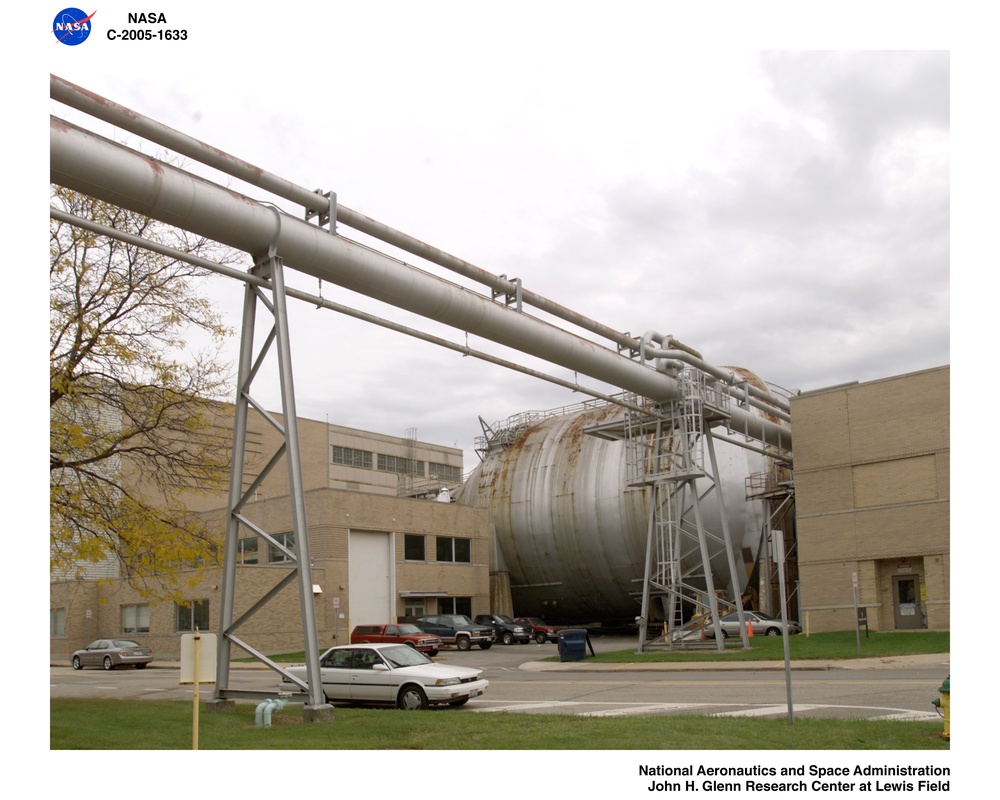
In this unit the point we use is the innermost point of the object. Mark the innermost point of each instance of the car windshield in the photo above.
(404, 656)
(457, 619)
(124, 643)
(505, 619)
(409, 629)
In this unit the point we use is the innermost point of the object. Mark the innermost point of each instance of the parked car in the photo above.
(762, 624)
(397, 634)
(540, 629)
(457, 629)
(111, 653)
(505, 629)
(390, 674)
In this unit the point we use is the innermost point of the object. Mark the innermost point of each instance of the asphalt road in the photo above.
(520, 683)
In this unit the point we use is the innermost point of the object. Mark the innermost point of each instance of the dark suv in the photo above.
(505, 629)
(457, 629)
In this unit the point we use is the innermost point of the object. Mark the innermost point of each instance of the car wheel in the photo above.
(76, 663)
(460, 702)
(411, 698)
(508, 638)
(108, 663)
(485, 645)
(140, 666)
(463, 643)
(432, 653)
(724, 635)
(773, 632)
(540, 637)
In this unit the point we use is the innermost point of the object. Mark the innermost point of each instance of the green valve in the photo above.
(946, 686)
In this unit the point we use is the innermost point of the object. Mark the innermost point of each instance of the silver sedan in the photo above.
(390, 674)
(111, 653)
(761, 624)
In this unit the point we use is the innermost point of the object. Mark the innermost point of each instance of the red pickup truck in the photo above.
(397, 634)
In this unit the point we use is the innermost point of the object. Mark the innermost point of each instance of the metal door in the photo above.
(906, 601)
(371, 578)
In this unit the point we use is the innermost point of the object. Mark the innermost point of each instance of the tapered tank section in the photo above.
(570, 528)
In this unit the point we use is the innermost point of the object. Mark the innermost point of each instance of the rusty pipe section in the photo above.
(671, 353)
(125, 118)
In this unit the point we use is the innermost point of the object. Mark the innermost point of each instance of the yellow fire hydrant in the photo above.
(943, 704)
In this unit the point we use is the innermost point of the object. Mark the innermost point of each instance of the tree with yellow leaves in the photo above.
(130, 424)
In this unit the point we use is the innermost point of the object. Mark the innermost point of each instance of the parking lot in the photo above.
(521, 681)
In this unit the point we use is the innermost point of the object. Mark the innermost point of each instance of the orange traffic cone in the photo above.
(749, 628)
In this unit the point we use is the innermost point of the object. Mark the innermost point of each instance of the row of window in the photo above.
(362, 459)
(447, 548)
(248, 549)
(188, 618)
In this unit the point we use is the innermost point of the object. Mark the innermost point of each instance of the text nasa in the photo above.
(821, 784)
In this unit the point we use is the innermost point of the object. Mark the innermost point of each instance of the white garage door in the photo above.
(371, 576)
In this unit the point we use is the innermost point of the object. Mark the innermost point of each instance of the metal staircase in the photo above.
(667, 447)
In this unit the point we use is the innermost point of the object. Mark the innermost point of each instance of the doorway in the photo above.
(906, 601)
(370, 572)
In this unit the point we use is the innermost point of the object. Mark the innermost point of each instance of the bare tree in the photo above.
(131, 434)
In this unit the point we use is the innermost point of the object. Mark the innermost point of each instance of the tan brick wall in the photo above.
(276, 628)
(872, 488)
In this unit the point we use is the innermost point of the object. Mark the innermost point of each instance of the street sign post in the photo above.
(198, 656)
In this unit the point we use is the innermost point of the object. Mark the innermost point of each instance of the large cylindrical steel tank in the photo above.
(570, 531)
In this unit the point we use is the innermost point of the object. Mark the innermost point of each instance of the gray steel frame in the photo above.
(671, 463)
(269, 268)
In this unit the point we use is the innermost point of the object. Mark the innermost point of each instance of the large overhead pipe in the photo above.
(85, 162)
(125, 118)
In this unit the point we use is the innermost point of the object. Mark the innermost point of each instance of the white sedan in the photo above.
(391, 674)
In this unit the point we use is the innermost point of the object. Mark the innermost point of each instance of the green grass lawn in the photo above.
(167, 725)
(839, 644)
(835, 645)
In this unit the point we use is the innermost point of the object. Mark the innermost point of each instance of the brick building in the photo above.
(382, 546)
(872, 472)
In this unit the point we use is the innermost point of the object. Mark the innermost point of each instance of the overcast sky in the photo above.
(769, 183)
(783, 211)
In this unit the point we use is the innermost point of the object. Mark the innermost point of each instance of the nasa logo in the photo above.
(72, 26)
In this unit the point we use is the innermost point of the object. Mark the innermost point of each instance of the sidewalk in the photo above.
(929, 660)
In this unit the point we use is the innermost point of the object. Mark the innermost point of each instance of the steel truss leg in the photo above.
(657, 550)
(270, 267)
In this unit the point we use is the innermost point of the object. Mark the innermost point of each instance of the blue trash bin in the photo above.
(572, 644)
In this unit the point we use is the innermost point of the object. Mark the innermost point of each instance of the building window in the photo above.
(403, 466)
(57, 622)
(413, 547)
(350, 457)
(276, 555)
(135, 618)
(192, 616)
(247, 551)
(450, 548)
(445, 472)
(455, 605)
(413, 607)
